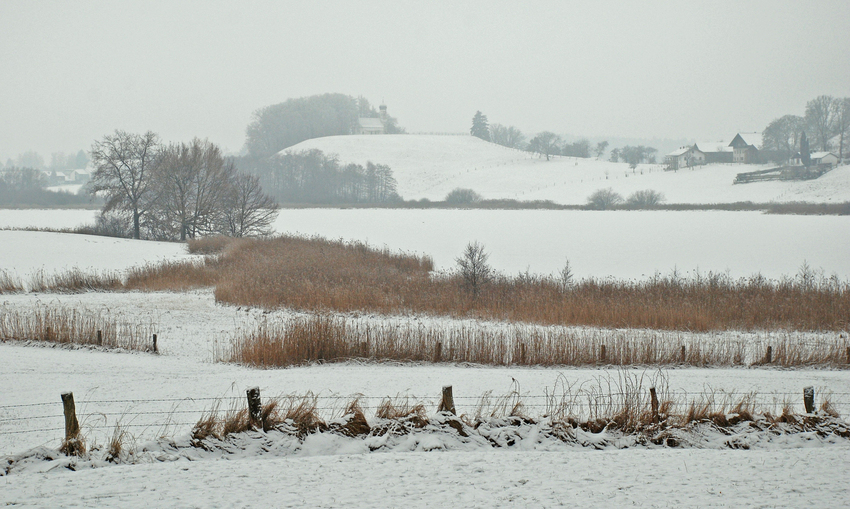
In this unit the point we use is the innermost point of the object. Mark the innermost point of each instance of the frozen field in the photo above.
(431, 166)
(629, 245)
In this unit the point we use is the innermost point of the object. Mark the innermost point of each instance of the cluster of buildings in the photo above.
(743, 149)
(66, 177)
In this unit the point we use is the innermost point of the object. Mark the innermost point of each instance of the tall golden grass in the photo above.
(71, 326)
(320, 275)
(323, 338)
(316, 274)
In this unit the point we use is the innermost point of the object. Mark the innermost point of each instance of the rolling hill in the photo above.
(429, 166)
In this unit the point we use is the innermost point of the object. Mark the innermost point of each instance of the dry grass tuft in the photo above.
(10, 283)
(209, 245)
(116, 444)
(71, 326)
(173, 276)
(353, 422)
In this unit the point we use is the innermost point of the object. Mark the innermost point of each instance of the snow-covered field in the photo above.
(431, 166)
(628, 245)
(183, 381)
(623, 244)
(23, 253)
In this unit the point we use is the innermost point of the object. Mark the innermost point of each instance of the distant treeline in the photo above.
(27, 187)
(313, 177)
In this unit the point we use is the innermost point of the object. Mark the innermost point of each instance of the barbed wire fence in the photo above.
(24, 426)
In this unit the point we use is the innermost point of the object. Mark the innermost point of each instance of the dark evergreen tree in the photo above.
(480, 129)
(805, 155)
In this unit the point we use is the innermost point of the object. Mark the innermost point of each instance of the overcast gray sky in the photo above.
(72, 71)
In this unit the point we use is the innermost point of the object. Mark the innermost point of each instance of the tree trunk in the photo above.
(136, 224)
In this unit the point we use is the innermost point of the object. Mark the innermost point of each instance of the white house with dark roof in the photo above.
(685, 157)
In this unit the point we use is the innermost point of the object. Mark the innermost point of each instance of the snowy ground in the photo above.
(23, 253)
(431, 166)
(144, 392)
(626, 245)
(635, 477)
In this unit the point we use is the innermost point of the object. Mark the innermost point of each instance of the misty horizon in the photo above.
(78, 71)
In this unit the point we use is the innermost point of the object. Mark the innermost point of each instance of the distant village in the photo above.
(743, 149)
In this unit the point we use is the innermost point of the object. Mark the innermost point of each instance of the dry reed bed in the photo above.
(71, 326)
(317, 274)
(324, 338)
(622, 405)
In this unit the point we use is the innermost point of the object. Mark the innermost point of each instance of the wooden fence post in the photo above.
(99, 338)
(768, 357)
(47, 334)
(602, 353)
(72, 426)
(654, 401)
(809, 399)
(447, 403)
(438, 352)
(684, 355)
(255, 407)
(522, 353)
(155, 349)
(848, 355)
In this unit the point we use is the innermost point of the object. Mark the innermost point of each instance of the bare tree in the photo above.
(474, 268)
(783, 135)
(248, 211)
(604, 199)
(545, 143)
(123, 163)
(820, 116)
(191, 183)
(600, 148)
(842, 122)
(506, 136)
(645, 199)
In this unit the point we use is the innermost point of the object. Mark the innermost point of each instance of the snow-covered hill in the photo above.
(431, 166)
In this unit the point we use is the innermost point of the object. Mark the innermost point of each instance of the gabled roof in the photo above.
(714, 146)
(821, 155)
(684, 150)
(746, 139)
(370, 123)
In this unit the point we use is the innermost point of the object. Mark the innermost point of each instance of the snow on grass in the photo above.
(26, 252)
(626, 245)
(431, 166)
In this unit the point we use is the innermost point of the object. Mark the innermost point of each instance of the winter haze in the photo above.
(74, 71)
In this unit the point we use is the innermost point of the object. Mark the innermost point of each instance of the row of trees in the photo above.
(176, 191)
(58, 161)
(826, 120)
(313, 177)
(28, 187)
(547, 143)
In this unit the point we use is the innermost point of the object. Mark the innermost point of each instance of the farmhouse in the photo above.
(745, 147)
(824, 158)
(684, 157)
(715, 151)
(370, 125)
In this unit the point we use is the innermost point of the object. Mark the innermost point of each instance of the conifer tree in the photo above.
(480, 129)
